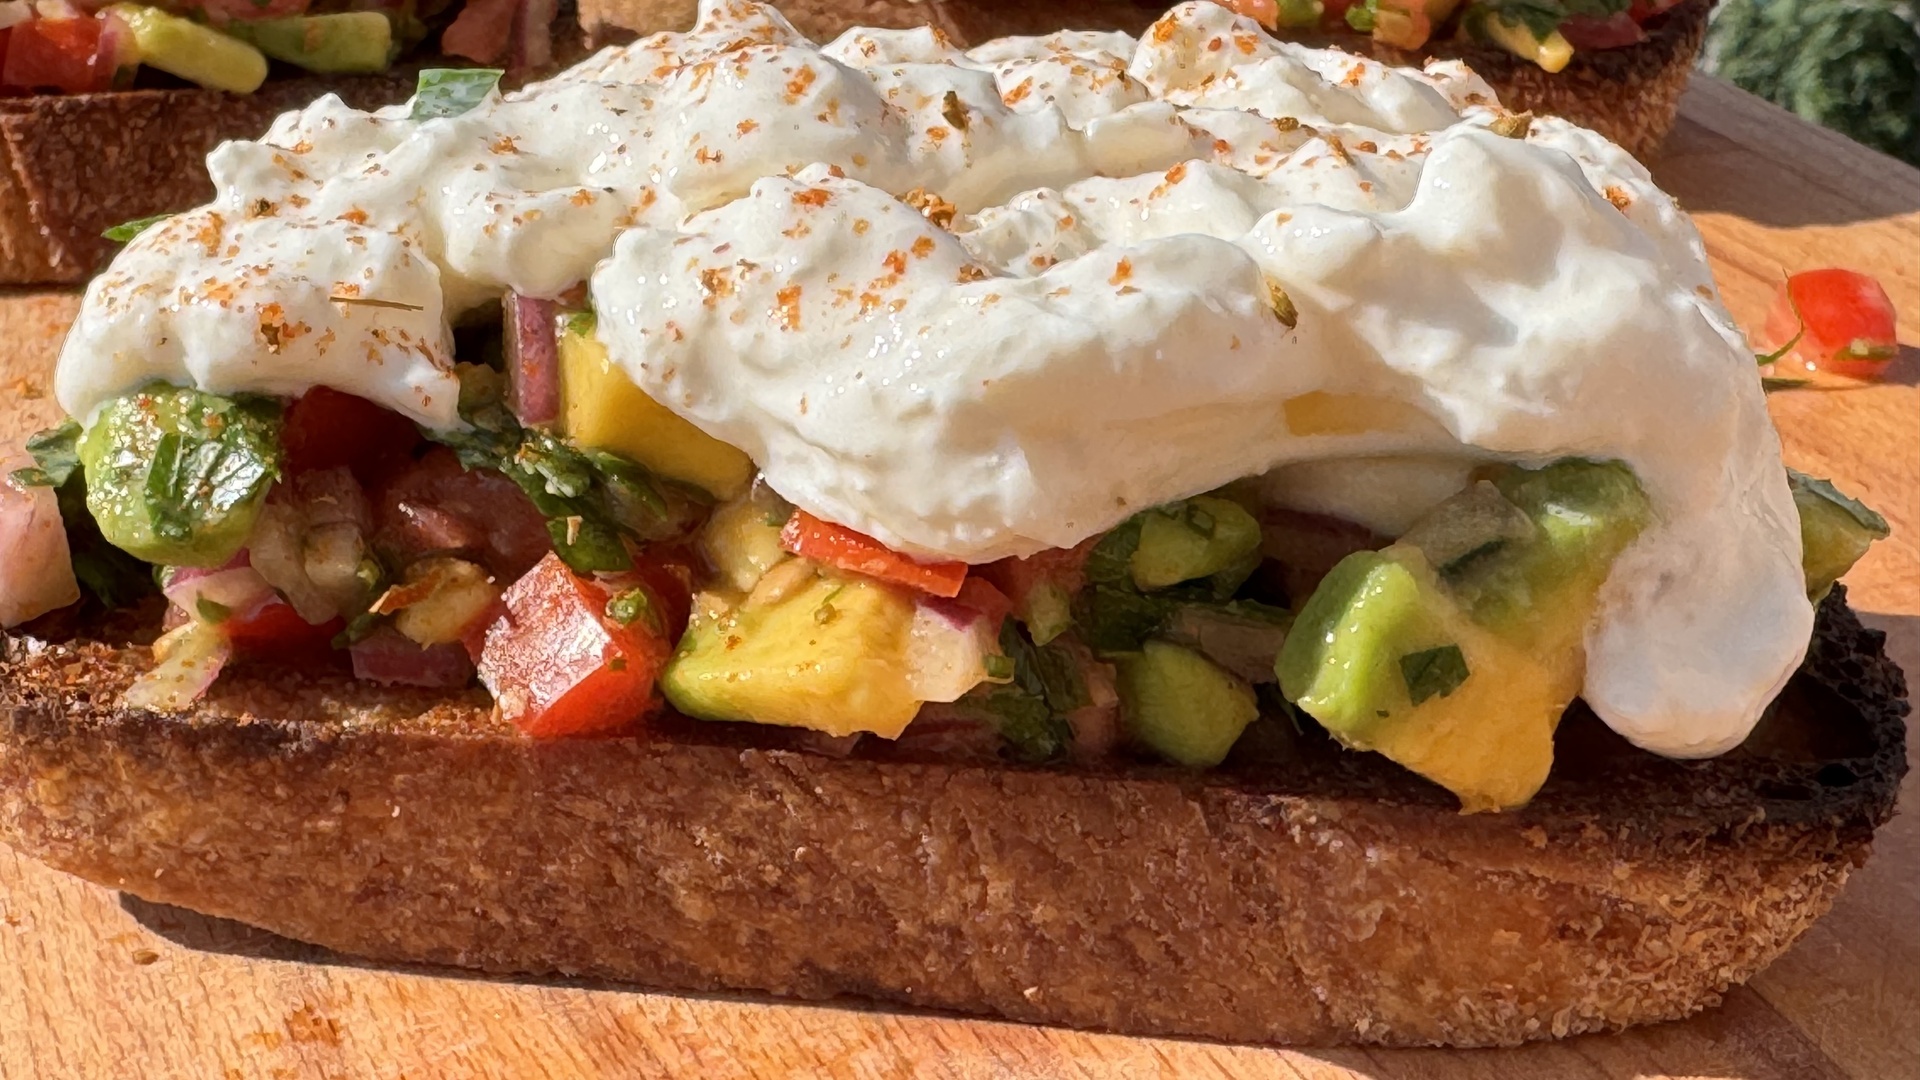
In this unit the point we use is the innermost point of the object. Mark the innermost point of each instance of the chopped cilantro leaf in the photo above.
(1433, 672)
(127, 230)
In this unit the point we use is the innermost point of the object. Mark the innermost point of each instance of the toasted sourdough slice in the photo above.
(74, 165)
(1321, 896)
(1631, 95)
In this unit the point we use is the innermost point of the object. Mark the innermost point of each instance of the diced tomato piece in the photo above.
(1845, 319)
(1062, 567)
(56, 54)
(1334, 13)
(841, 547)
(980, 595)
(1616, 31)
(667, 575)
(481, 31)
(558, 664)
(326, 429)
(277, 633)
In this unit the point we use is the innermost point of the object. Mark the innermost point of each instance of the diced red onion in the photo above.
(958, 615)
(533, 358)
(239, 591)
(388, 658)
(36, 574)
(116, 49)
(947, 649)
(1616, 31)
(187, 661)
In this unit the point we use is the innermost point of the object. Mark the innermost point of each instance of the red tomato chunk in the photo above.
(56, 54)
(558, 664)
(838, 546)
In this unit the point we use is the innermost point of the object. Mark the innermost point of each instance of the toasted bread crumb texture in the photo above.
(1278, 908)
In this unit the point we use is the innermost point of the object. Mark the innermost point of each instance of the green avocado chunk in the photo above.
(176, 476)
(1181, 705)
(1195, 538)
(193, 51)
(1835, 530)
(339, 43)
(1455, 650)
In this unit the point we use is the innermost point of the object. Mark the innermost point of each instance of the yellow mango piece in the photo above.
(601, 408)
(830, 656)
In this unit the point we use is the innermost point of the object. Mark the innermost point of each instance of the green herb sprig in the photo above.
(593, 500)
(127, 230)
(445, 92)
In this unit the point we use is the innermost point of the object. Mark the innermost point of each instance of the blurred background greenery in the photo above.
(1849, 65)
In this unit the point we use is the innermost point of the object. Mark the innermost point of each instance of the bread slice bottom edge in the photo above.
(1301, 908)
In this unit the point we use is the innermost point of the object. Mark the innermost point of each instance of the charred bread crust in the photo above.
(1631, 95)
(74, 165)
(1327, 897)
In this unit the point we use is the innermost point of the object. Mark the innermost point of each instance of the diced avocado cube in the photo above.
(1047, 611)
(1584, 513)
(195, 52)
(741, 540)
(1462, 675)
(602, 408)
(1195, 538)
(1478, 522)
(1835, 531)
(176, 476)
(1385, 660)
(830, 657)
(1181, 705)
(339, 43)
(1341, 660)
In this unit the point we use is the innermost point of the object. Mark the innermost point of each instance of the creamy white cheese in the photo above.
(981, 303)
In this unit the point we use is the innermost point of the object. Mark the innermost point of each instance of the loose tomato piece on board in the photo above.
(560, 663)
(838, 546)
(56, 54)
(326, 429)
(1844, 318)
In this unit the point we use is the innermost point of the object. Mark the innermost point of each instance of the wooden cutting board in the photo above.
(96, 984)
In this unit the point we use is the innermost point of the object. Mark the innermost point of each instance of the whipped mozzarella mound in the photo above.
(981, 303)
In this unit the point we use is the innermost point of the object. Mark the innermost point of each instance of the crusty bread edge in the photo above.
(1146, 901)
(1631, 95)
(74, 165)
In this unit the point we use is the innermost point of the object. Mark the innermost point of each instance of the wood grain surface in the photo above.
(93, 984)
